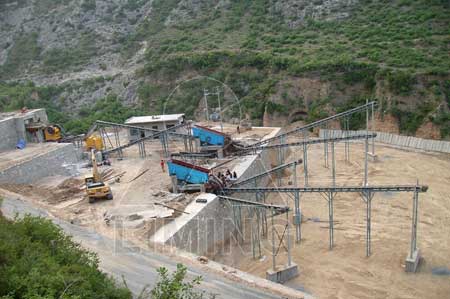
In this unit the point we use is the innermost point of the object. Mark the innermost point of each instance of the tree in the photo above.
(174, 287)
(37, 260)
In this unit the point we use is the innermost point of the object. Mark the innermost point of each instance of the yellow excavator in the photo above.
(95, 187)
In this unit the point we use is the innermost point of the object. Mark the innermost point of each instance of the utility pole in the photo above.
(220, 109)
(205, 96)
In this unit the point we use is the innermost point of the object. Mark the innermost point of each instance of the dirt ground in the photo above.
(142, 201)
(345, 272)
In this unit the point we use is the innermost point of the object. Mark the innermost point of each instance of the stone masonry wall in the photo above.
(56, 162)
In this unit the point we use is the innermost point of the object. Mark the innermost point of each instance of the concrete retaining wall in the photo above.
(207, 230)
(9, 134)
(397, 140)
(57, 162)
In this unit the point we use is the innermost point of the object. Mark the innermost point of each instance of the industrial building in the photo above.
(155, 122)
(27, 125)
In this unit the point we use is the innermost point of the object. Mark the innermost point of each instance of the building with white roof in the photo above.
(154, 122)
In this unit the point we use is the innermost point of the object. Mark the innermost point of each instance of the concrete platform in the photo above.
(282, 274)
(412, 262)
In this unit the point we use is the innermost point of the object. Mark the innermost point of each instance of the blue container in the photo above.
(21, 144)
(208, 136)
(187, 174)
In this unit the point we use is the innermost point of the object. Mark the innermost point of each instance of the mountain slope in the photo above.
(285, 60)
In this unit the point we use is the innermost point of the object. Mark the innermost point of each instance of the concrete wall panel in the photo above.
(397, 140)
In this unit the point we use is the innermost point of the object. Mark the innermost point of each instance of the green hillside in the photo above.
(285, 59)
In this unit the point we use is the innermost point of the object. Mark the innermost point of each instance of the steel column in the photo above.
(305, 159)
(331, 219)
(288, 238)
(273, 241)
(333, 164)
(373, 129)
(414, 224)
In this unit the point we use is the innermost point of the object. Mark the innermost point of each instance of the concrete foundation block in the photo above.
(412, 262)
(174, 180)
(282, 274)
(220, 153)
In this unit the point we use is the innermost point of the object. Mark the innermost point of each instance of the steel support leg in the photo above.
(333, 164)
(288, 236)
(305, 163)
(366, 153)
(347, 143)
(414, 224)
(273, 241)
(368, 222)
(373, 129)
(331, 218)
(297, 217)
(252, 233)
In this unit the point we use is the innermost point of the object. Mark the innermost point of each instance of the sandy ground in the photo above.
(345, 272)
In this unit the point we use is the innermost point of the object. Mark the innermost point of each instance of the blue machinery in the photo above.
(188, 172)
(208, 136)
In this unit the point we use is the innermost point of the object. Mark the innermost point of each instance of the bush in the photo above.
(37, 260)
(400, 82)
(174, 287)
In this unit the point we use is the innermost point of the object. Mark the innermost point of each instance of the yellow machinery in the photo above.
(53, 133)
(95, 187)
(93, 142)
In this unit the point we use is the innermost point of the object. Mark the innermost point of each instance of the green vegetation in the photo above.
(58, 59)
(14, 96)
(38, 261)
(403, 34)
(410, 121)
(393, 41)
(175, 287)
(107, 109)
(400, 82)
(24, 51)
(390, 47)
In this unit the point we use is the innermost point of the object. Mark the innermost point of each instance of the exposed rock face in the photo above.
(296, 12)
(385, 123)
(428, 130)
